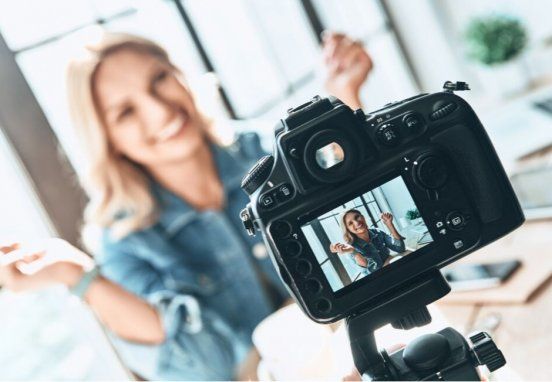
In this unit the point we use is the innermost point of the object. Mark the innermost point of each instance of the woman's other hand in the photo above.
(339, 247)
(387, 218)
(31, 267)
(347, 65)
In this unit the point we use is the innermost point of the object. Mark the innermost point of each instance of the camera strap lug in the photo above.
(450, 86)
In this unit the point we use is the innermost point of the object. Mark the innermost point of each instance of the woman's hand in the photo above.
(361, 260)
(339, 247)
(347, 64)
(387, 218)
(55, 261)
(31, 267)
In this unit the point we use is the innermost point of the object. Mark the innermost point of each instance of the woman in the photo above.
(181, 282)
(369, 248)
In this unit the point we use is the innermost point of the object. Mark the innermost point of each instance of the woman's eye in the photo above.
(160, 77)
(125, 113)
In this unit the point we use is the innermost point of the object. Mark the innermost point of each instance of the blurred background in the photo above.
(253, 59)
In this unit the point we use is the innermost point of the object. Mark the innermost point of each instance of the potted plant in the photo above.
(496, 43)
(413, 216)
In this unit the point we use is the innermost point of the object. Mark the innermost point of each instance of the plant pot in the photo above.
(505, 79)
(416, 221)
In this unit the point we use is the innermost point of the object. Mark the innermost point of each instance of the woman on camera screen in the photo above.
(181, 285)
(369, 248)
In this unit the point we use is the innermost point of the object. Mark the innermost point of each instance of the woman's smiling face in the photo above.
(149, 114)
(355, 223)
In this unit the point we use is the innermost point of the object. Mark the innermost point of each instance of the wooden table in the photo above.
(519, 320)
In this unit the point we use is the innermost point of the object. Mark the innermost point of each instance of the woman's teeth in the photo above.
(171, 130)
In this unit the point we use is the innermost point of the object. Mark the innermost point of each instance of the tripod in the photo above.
(445, 355)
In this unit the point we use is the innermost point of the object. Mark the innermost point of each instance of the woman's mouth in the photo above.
(172, 129)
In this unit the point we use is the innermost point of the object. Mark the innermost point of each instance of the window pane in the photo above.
(160, 22)
(44, 69)
(314, 243)
(332, 276)
(292, 44)
(26, 22)
(108, 8)
(22, 217)
(390, 79)
(333, 230)
(238, 52)
(359, 18)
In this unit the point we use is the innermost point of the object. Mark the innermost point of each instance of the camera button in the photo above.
(323, 305)
(313, 286)
(456, 221)
(458, 244)
(412, 122)
(292, 248)
(280, 229)
(284, 192)
(303, 267)
(267, 201)
(388, 135)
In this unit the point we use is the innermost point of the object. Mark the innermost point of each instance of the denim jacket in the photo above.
(376, 251)
(199, 270)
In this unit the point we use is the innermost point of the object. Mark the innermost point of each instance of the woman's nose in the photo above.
(156, 113)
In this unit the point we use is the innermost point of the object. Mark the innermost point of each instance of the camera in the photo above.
(360, 211)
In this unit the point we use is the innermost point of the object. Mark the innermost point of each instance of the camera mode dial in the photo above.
(257, 175)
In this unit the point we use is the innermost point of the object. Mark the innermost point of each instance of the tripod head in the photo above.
(439, 356)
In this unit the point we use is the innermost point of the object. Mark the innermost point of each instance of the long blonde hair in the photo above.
(118, 189)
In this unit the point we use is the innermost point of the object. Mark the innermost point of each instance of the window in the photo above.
(260, 49)
(366, 21)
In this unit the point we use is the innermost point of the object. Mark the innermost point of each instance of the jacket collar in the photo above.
(175, 212)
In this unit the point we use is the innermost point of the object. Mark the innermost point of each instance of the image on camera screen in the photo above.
(367, 233)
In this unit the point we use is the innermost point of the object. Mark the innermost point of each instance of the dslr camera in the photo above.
(360, 211)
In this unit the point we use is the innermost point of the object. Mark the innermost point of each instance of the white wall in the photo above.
(426, 43)
(432, 32)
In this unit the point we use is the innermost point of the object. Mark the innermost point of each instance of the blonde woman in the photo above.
(181, 284)
(369, 248)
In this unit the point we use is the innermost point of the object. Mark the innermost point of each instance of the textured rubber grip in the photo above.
(475, 170)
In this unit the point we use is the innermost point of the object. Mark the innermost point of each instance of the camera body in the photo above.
(428, 154)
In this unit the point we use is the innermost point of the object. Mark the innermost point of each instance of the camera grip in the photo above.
(474, 168)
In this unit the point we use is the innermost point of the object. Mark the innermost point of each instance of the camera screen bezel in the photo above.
(382, 272)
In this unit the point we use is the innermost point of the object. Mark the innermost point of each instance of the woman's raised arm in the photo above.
(126, 314)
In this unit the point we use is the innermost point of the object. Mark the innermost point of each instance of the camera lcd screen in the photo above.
(367, 233)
